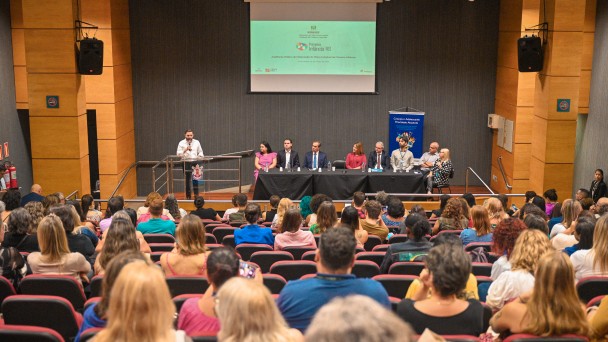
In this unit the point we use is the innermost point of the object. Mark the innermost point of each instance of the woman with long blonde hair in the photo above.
(496, 211)
(594, 261)
(570, 211)
(284, 204)
(189, 257)
(481, 230)
(54, 256)
(240, 295)
(140, 308)
(530, 246)
(553, 308)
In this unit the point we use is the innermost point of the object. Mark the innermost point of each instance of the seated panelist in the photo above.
(315, 159)
(356, 159)
(379, 159)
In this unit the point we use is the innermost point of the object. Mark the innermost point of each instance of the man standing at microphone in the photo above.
(190, 149)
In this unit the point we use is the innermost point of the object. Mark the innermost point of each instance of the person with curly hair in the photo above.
(529, 247)
(36, 211)
(173, 207)
(503, 238)
(11, 199)
(451, 218)
(18, 236)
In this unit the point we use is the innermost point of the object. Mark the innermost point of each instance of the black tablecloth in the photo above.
(339, 184)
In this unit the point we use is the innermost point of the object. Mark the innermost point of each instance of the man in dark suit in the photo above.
(34, 196)
(287, 154)
(315, 158)
(379, 155)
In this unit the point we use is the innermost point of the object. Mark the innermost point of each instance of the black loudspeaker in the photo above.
(529, 54)
(90, 57)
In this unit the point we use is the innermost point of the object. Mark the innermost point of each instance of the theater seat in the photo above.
(24, 333)
(396, 285)
(339, 164)
(406, 267)
(54, 285)
(247, 249)
(534, 338)
(365, 269)
(590, 287)
(292, 270)
(274, 282)
(376, 257)
(297, 252)
(179, 285)
(6, 289)
(265, 259)
(159, 238)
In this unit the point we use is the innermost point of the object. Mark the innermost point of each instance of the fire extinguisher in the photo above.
(12, 171)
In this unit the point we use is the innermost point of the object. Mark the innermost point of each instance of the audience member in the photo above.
(96, 316)
(586, 203)
(539, 202)
(601, 207)
(115, 205)
(335, 259)
(551, 309)
(36, 211)
(505, 204)
(326, 218)
(372, 223)
(277, 221)
(19, 223)
(173, 207)
(418, 209)
(156, 225)
(570, 211)
(598, 320)
(550, 197)
(120, 237)
(466, 211)
(49, 201)
(582, 193)
(239, 295)
(481, 230)
(305, 210)
(556, 216)
(530, 208)
(130, 215)
(598, 188)
(358, 202)
(583, 233)
(496, 211)
(13, 265)
(536, 222)
(76, 242)
(55, 256)
(594, 261)
(415, 246)
(292, 235)
(530, 246)
(140, 307)
(239, 215)
(268, 216)
(443, 201)
(35, 195)
(350, 220)
(356, 159)
(395, 213)
(11, 200)
(234, 208)
(143, 210)
(504, 237)
(90, 209)
(315, 203)
(451, 217)
(352, 319)
(446, 273)
(189, 257)
(382, 197)
(252, 233)
(79, 227)
(411, 220)
(202, 212)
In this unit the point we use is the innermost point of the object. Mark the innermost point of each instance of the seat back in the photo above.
(365, 269)
(210, 238)
(406, 267)
(159, 238)
(6, 289)
(95, 286)
(51, 312)
(396, 285)
(90, 302)
(534, 338)
(54, 285)
(590, 287)
(24, 333)
(447, 231)
(381, 248)
(397, 238)
(482, 268)
(339, 164)
(179, 285)
(265, 259)
(310, 256)
(372, 241)
(274, 282)
(376, 257)
(202, 336)
(486, 245)
(88, 334)
(162, 247)
(221, 232)
(179, 300)
(228, 241)
(297, 252)
(247, 249)
(291, 270)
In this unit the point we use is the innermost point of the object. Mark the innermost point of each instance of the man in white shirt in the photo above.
(428, 158)
(402, 159)
(287, 157)
(190, 150)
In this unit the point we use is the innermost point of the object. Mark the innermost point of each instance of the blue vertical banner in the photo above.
(409, 125)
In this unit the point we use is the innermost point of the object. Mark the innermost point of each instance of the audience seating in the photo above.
(95, 286)
(228, 241)
(397, 238)
(291, 270)
(88, 334)
(90, 302)
(534, 338)
(210, 238)
(64, 286)
(6, 289)
(482, 268)
(213, 246)
(161, 247)
(202, 336)
(237, 224)
(381, 248)
(394, 303)
(376, 257)
(483, 279)
(209, 227)
(590, 287)
(396, 285)
(460, 338)
(406, 267)
(51, 312)
(24, 333)
(317, 238)
(155, 256)
(486, 245)
(310, 255)
(247, 249)
(365, 269)
(453, 232)
(595, 301)
(372, 241)
(265, 259)
(308, 276)
(179, 285)
(274, 282)
(394, 229)
(179, 300)
(297, 252)
(221, 232)
(159, 238)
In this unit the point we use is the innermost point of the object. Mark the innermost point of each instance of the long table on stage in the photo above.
(339, 184)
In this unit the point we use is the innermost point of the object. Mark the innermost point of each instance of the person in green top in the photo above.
(326, 218)
(156, 225)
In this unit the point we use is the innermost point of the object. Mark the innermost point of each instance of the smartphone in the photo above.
(514, 207)
(247, 270)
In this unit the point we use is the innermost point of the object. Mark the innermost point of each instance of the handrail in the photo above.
(466, 182)
(75, 192)
(502, 171)
(124, 176)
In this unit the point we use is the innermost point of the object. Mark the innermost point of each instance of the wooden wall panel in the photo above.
(114, 120)
(50, 51)
(123, 85)
(128, 188)
(566, 15)
(64, 145)
(120, 14)
(554, 140)
(100, 88)
(61, 174)
(521, 160)
(510, 15)
(551, 88)
(544, 176)
(98, 12)
(16, 9)
(507, 157)
(563, 61)
(526, 81)
(588, 41)
(64, 85)
(21, 94)
(523, 125)
(497, 183)
(506, 83)
(530, 14)
(108, 46)
(507, 49)
(504, 109)
(583, 95)
(121, 40)
(116, 155)
(590, 12)
(18, 40)
(58, 14)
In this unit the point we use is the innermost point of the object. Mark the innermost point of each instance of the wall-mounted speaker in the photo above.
(90, 57)
(529, 54)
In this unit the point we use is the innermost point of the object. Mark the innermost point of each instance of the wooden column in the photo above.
(60, 152)
(111, 95)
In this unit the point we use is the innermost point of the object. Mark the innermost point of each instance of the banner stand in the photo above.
(406, 122)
